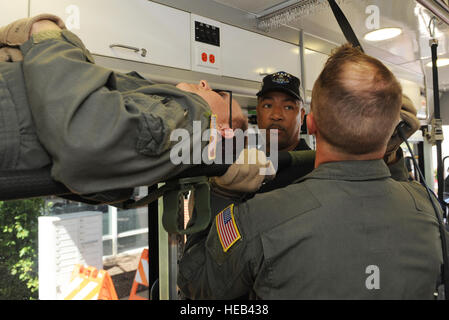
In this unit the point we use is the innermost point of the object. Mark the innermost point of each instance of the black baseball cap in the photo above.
(281, 81)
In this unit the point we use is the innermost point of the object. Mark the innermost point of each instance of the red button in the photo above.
(204, 57)
(212, 58)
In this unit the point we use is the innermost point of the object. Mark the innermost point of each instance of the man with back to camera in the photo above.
(347, 230)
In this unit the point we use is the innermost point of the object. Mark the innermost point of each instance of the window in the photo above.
(124, 231)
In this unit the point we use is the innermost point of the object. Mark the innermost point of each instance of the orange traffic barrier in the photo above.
(141, 277)
(88, 283)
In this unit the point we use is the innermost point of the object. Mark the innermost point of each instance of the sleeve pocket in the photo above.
(157, 123)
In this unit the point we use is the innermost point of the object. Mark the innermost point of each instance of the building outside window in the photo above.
(124, 231)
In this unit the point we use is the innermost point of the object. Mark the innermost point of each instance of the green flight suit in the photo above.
(345, 231)
(104, 130)
(19, 145)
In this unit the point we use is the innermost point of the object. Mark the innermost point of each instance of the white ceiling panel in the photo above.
(251, 6)
(406, 50)
(322, 32)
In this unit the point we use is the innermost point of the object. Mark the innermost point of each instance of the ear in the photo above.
(204, 85)
(303, 112)
(311, 124)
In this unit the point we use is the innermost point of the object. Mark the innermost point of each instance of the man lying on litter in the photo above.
(99, 129)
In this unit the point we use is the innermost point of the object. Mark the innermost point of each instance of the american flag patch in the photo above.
(227, 228)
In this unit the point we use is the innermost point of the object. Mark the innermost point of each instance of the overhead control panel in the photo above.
(206, 48)
(207, 33)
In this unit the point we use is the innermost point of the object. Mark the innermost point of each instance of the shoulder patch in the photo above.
(228, 232)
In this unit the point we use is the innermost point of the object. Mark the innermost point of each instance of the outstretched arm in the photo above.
(100, 136)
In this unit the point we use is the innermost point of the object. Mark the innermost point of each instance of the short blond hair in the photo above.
(356, 102)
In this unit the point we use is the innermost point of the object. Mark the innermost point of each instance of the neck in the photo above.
(326, 153)
(288, 148)
(291, 147)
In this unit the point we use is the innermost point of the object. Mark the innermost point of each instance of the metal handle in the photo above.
(143, 54)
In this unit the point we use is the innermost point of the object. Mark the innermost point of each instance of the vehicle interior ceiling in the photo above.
(407, 55)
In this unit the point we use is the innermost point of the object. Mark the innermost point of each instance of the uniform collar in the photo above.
(350, 171)
(301, 146)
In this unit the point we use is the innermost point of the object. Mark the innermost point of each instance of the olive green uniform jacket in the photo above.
(345, 231)
(100, 129)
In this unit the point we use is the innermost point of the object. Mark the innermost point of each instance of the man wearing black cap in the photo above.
(280, 106)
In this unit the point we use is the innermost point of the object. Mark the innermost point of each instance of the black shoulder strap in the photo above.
(344, 24)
